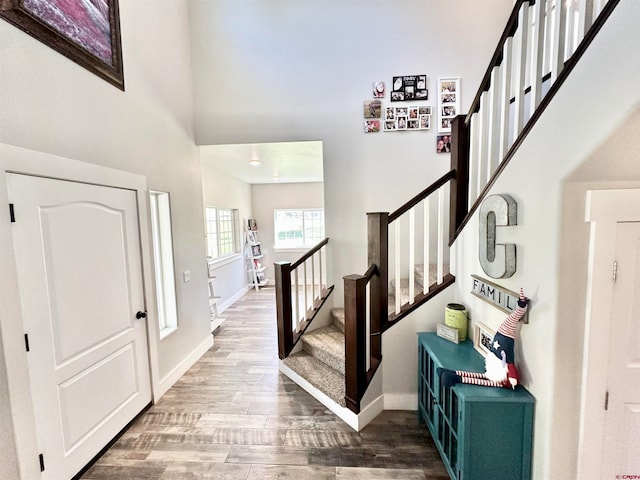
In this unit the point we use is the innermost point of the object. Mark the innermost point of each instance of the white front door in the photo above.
(621, 446)
(77, 250)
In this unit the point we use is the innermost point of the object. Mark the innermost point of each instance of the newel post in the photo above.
(283, 308)
(378, 255)
(355, 373)
(459, 197)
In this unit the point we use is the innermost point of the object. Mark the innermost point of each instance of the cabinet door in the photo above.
(495, 443)
(427, 386)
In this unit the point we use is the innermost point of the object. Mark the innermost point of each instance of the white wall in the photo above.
(222, 191)
(544, 179)
(268, 197)
(49, 104)
(293, 70)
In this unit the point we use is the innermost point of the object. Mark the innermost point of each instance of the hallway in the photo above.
(234, 416)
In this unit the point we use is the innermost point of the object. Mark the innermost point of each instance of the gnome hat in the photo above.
(504, 340)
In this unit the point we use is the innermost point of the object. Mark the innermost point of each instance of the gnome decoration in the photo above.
(500, 369)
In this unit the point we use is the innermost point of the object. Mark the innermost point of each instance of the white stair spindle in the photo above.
(521, 68)
(426, 246)
(313, 282)
(585, 7)
(493, 131)
(397, 269)
(440, 234)
(412, 254)
(297, 300)
(483, 154)
(559, 37)
(537, 55)
(505, 98)
(320, 271)
(306, 289)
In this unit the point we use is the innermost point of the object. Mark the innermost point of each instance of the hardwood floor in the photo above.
(234, 416)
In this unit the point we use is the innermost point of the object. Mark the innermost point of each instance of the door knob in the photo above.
(140, 315)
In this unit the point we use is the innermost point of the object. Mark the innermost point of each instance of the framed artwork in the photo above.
(448, 102)
(482, 338)
(443, 143)
(372, 108)
(88, 33)
(409, 88)
(378, 90)
(371, 126)
(415, 117)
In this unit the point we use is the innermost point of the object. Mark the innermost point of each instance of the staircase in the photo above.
(321, 360)
(540, 46)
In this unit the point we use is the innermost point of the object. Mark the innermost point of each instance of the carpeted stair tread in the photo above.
(327, 345)
(337, 313)
(318, 374)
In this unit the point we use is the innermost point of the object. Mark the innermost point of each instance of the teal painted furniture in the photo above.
(481, 433)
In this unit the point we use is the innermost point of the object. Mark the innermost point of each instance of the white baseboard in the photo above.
(172, 377)
(230, 301)
(401, 401)
(355, 421)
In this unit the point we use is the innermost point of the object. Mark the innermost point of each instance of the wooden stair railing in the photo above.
(541, 44)
(369, 309)
(298, 301)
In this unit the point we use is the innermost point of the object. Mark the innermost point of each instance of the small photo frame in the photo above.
(372, 108)
(482, 338)
(448, 102)
(389, 113)
(252, 237)
(443, 144)
(371, 126)
(256, 251)
(378, 90)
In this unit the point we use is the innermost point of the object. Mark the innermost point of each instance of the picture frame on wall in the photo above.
(413, 117)
(482, 338)
(448, 102)
(86, 33)
(409, 88)
(372, 109)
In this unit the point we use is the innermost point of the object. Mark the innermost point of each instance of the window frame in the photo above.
(232, 220)
(164, 262)
(303, 245)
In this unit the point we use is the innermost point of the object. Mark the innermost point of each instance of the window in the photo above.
(222, 232)
(163, 259)
(298, 228)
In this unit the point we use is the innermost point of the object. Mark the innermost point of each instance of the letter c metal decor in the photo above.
(497, 260)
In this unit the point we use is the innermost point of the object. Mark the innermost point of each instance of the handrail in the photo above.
(422, 195)
(309, 254)
(291, 324)
(496, 59)
(568, 67)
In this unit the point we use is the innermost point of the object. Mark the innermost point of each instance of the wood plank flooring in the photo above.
(233, 416)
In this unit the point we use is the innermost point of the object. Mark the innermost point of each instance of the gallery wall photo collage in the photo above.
(406, 114)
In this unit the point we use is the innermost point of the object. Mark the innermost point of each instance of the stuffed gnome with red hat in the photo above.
(500, 369)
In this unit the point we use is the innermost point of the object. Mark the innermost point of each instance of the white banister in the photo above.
(412, 254)
(397, 266)
(296, 319)
(537, 54)
(483, 141)
(426, 245)
(306, 289)
(520, 67)
(493, 131)
(585, 7)
(559, 38)
(440, 265)
(505, 98)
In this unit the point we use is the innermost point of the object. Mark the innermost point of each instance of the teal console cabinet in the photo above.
(481, 432)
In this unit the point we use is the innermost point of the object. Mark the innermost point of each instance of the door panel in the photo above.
(72, 260)
(79, 270)
(621, 445)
